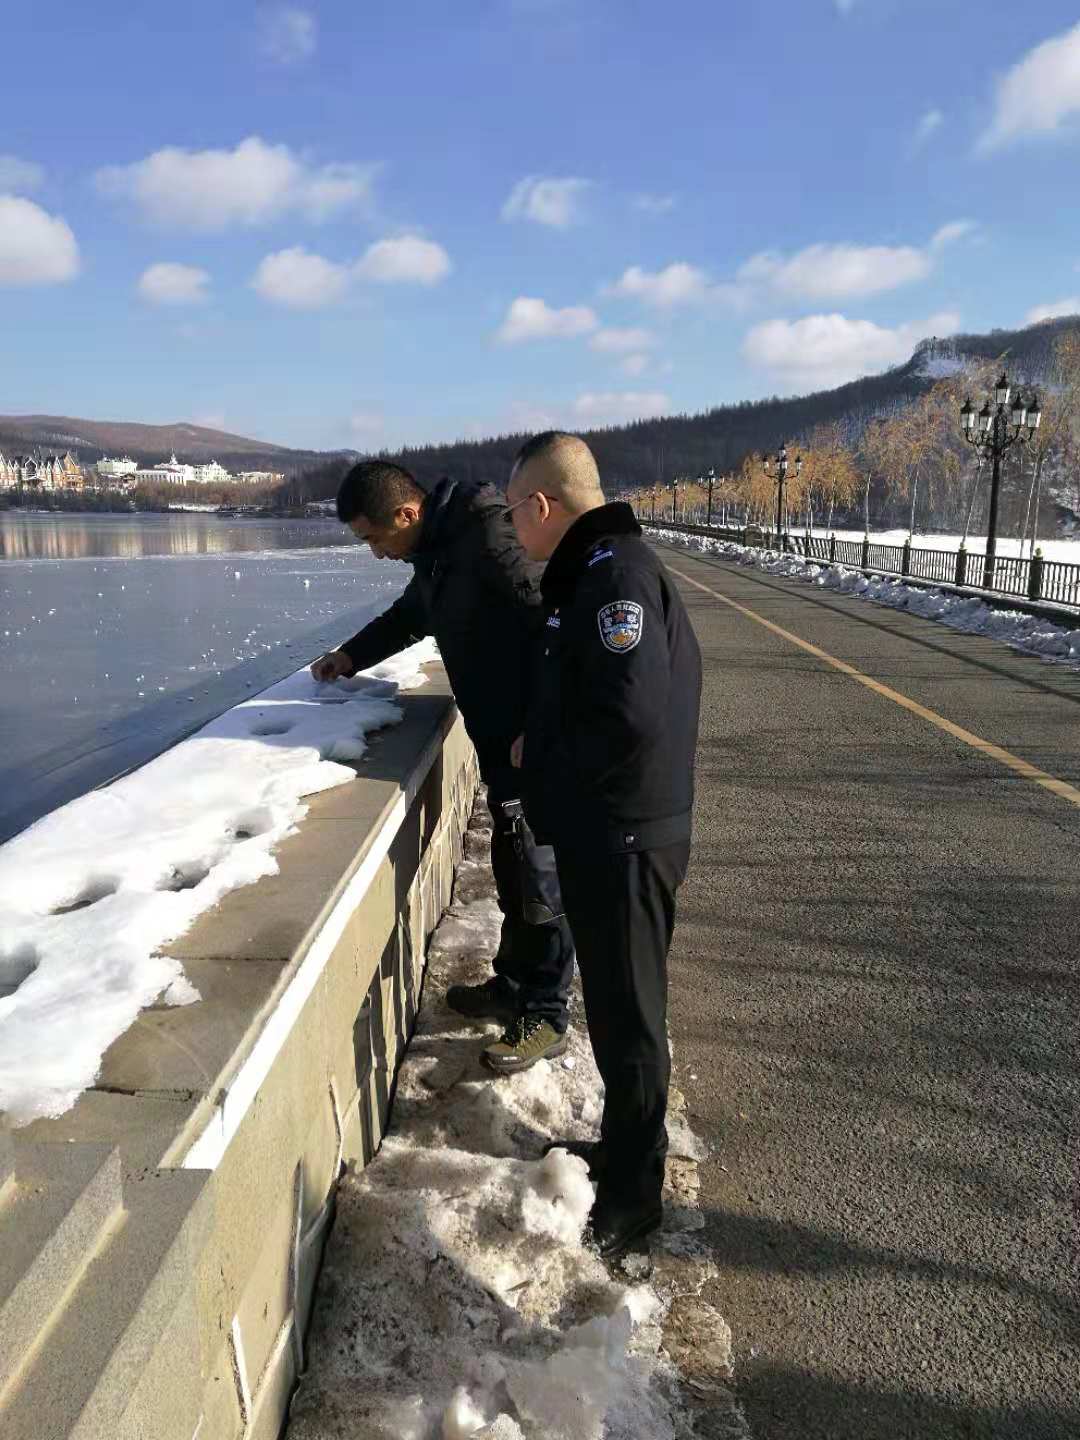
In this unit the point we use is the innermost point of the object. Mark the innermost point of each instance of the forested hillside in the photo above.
(913, 405)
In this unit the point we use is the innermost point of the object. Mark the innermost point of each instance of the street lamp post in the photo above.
(711, 478)
(993, 431)
(674, 497)
(654, 504)
(780, 461)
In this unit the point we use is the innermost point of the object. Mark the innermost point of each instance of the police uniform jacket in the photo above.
(473, 589)
(609, 750)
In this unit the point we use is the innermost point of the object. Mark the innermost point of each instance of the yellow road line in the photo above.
(1005, 757)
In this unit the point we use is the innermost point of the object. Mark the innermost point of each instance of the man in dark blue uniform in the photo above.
(474, 590)
(608, 759)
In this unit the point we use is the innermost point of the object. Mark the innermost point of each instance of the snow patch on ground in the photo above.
(1024, 632)
(91, 892)
(457, 1298)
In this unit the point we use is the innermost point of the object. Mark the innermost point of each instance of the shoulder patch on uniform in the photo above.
(600, 555)
(620, 625)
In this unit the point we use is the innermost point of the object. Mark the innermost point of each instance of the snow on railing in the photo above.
(968, 610)
(91, 893)
(1032, 579)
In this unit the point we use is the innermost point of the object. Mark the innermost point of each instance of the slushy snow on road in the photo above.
(457, 1298)
(90, 894)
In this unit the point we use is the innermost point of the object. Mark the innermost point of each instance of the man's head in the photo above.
(554, 480)
(382, 505)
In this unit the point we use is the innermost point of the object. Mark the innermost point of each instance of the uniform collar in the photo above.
(595, 525)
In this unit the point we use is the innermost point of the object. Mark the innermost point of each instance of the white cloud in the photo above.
(677, 284)
(1040, 92)
(617, 407)
(615, 341)
(255, 183)
(531, 319)
(547, 201)
(1053, 311)
(16, 174)
(303, 281)
(835, 272)
(170, 284)
(324, 192)
(366, 425)
(929, 122)
(214, 420)
(404, 259)
(525, 417)
(299, 280)
(630, 344)
(36, 248)
(654, 204)
(824, 350)
(845, 6)
(949, 234)
(844, 272)
(287, 34)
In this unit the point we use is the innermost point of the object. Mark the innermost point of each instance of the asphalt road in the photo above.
(875, 992)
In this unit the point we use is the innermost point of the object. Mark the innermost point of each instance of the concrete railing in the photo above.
(159, 1244)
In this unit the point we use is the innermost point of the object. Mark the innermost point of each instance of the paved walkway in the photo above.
(875, 1017)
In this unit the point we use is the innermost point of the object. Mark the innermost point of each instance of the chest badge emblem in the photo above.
(620, 625)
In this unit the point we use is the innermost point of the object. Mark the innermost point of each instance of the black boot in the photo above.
(493, 1000)
(614, 1228)
(587, 1150)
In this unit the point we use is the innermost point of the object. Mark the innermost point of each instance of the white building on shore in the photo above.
(260, 477)
(169, 472)
(212, 474)
(179, 472)
(116, 469)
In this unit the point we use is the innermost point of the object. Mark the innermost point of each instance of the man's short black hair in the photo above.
(540, 444)
(375, 489)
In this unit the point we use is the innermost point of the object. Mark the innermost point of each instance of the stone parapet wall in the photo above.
(159, 1244)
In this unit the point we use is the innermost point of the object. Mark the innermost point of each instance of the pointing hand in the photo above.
(335, 665)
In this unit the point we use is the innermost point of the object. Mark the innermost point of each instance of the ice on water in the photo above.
(90, 893)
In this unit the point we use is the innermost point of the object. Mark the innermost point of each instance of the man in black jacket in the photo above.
(609, 779)
(474, 590)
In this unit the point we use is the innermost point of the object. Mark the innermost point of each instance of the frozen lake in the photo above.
(119, 634)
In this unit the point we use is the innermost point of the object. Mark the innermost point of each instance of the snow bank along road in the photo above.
(875, 1001)
(457, 1299)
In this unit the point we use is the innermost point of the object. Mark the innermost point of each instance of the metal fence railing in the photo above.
(1035, 579)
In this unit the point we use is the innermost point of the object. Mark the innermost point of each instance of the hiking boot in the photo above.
(492, 1000)
(587, 1150)
(613, 1229)
(527, 1040)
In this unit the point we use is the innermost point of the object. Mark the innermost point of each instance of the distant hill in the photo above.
(630, 456)
(637, 455)
(89, 440)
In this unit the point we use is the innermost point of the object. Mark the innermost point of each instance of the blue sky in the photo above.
(330, 224)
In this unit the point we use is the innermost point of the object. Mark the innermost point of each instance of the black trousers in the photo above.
(536, 952)
(621, 909)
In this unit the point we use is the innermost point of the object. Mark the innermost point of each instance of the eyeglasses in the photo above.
(531, 496)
